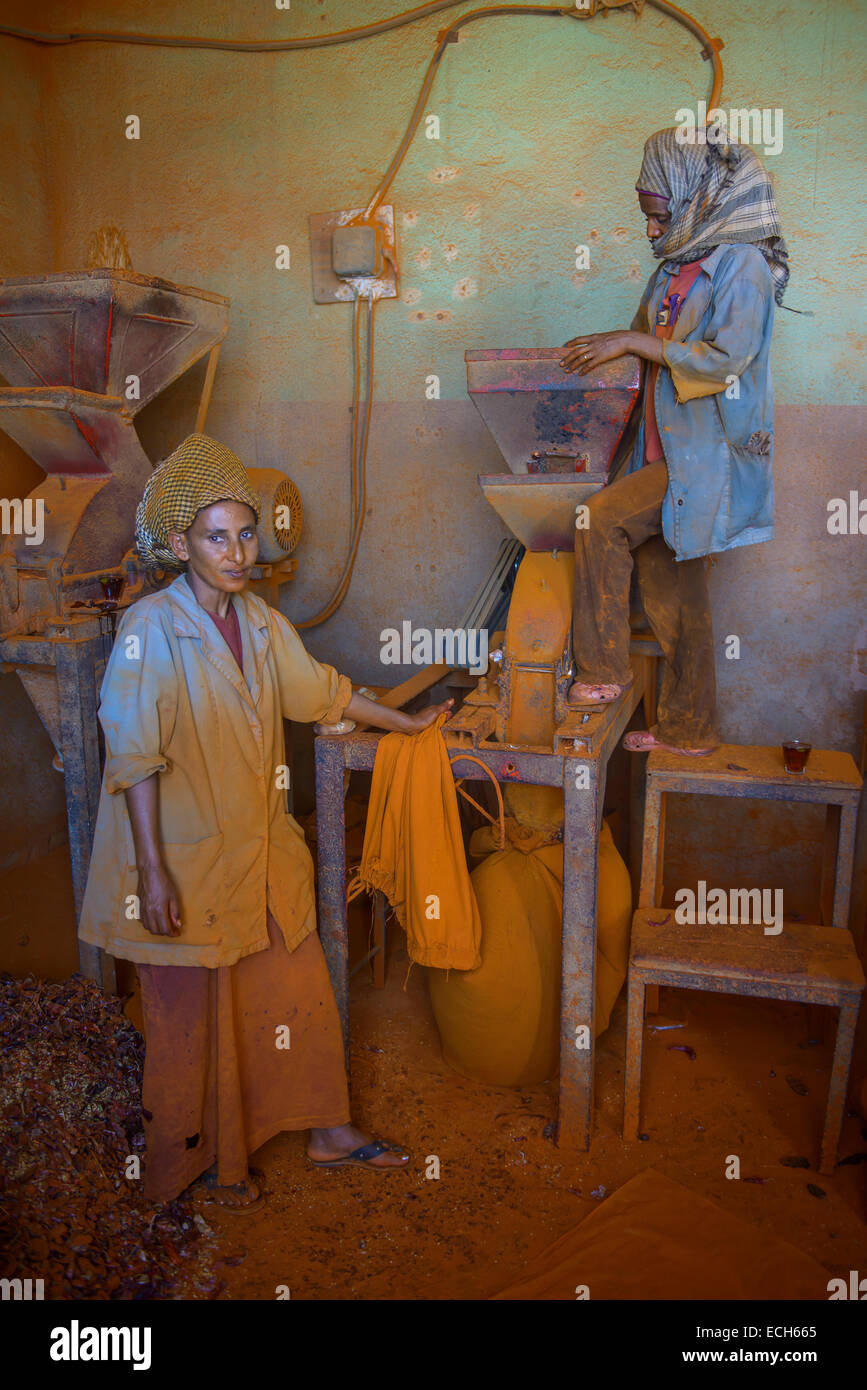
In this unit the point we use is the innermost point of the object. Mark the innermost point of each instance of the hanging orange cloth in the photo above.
(414, 850)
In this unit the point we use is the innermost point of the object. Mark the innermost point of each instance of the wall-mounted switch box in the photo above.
(350, 256)
(355, 251)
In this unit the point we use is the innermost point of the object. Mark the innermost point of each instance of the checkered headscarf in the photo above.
(199, 473)
(715, 192)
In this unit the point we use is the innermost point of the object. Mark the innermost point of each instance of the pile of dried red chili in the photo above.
(70, 1120)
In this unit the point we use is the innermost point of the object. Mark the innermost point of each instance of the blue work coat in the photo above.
(714, 404)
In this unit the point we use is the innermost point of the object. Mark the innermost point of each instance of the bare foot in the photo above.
(328, 1144)
(642, 741)
(582, 693)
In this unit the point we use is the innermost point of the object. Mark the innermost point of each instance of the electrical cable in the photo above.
(356, 389)
(367, 31)
(336, 598)
(359, 468)
(448, 36)
(711, 48)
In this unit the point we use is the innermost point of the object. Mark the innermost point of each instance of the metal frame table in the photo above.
(583, 805)
(76, 649)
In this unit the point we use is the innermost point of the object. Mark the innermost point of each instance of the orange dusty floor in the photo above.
(506, 1191)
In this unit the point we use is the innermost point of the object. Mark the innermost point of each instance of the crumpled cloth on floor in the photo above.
(656, 1239)
(414, 850)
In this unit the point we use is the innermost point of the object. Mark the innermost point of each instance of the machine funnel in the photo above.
(557, 432)
(93, 330)
(540, 511)
(546, 420)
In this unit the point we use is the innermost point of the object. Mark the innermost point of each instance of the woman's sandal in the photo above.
(643, 741)
(210, 1181)
(360, 1158)
(595, 702)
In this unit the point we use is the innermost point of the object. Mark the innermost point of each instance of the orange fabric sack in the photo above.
(501, 1024)
(414, 850)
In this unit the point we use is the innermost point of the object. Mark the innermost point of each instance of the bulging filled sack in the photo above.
(500, 1023)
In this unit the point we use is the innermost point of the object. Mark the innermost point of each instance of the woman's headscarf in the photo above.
(716, 192)
(199, 473)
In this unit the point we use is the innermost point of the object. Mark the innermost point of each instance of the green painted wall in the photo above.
(542, 123)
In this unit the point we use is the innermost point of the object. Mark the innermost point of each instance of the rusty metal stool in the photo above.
(808, 964)
(812, 965)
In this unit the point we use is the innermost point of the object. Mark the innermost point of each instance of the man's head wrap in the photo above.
(716, 192)
(199, 473)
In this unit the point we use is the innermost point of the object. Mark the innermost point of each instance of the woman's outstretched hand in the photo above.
(587, 352)
(590, 350)
(366, 711)
(426, 717)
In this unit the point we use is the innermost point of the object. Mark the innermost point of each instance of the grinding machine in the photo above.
(558, 433)
(81, 355)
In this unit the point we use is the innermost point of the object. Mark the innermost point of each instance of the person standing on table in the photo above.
(693, 474)
(198, 874)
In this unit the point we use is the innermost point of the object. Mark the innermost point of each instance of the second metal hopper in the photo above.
(557, 432)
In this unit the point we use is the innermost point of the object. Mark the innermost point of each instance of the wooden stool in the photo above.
(814, 965)
(735, 770)
(831, 779)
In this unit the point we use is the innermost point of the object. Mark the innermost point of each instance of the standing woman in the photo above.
(198, 873)
(695, 475)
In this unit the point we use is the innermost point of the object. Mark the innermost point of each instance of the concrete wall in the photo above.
(541, 123)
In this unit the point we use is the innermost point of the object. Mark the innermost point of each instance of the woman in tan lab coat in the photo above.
(198, 874)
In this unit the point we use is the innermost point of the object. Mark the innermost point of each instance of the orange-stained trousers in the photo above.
(625, 520)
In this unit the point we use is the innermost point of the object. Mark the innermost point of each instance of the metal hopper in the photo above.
(94, 330)
(80, 355)
(557, 432)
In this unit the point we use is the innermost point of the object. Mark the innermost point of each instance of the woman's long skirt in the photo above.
(235, 1055)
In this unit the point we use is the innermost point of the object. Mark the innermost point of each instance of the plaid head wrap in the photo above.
(199, 473)
(719, 191)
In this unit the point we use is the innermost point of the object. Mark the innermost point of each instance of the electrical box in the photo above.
(350, 256)
(355, 251)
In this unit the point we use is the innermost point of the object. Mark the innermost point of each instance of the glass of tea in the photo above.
(112, 587)
(795, 754)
